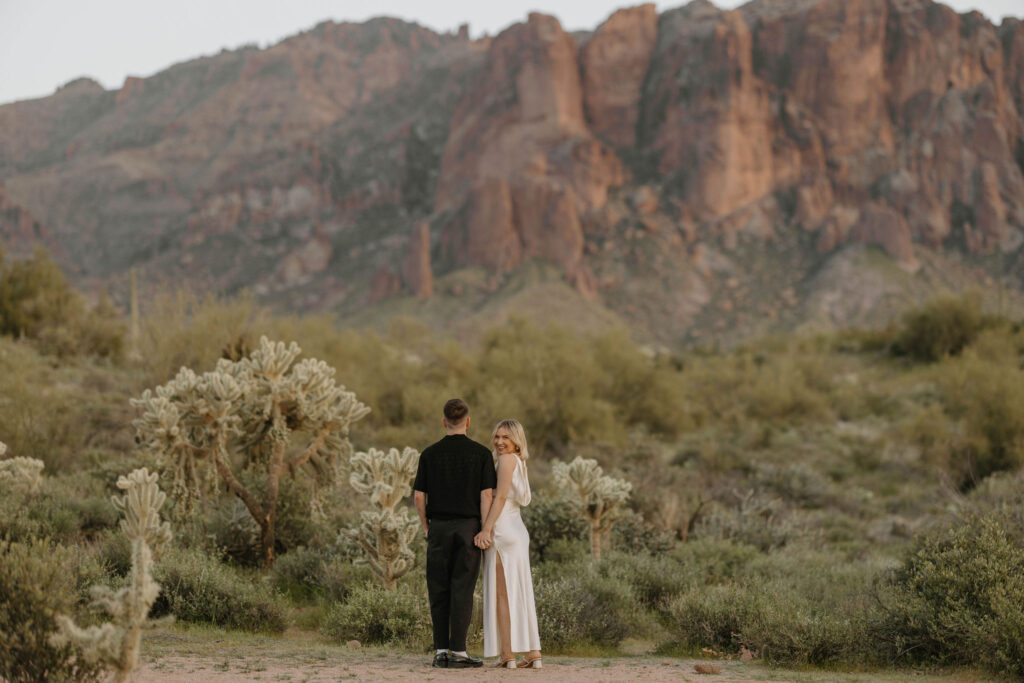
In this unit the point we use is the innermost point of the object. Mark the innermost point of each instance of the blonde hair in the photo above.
(517, 435)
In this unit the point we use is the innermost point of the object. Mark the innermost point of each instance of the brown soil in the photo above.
(404, 667)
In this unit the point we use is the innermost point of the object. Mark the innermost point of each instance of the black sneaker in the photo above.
(441, 660)
(459, 662)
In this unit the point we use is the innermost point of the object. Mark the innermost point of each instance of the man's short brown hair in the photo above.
(455, 411)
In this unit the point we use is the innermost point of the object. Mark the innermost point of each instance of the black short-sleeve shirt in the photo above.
(453, 472)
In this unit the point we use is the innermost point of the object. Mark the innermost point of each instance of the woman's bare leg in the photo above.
(504, 623)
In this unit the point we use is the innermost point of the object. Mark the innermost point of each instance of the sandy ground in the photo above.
(411, 668)
(192, 654)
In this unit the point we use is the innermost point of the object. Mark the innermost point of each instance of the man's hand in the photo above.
(483, 540)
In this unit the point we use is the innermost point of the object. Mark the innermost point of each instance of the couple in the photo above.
(457, 487)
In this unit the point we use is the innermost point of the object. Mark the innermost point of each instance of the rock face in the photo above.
(520, 165)
(614, 62)
(20, 231)
(417, 275)
(662, 164)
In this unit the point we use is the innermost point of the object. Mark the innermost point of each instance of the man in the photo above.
(453, 493)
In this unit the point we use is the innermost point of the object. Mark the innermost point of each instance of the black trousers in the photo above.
(453, 564)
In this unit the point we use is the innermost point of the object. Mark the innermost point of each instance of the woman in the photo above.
(510, 618)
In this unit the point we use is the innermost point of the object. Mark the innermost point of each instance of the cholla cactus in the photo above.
(19, 476)
(254, 408)
(600, 498)
(116, 643)
(384, 534)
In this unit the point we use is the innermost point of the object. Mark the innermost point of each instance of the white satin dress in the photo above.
(512, 543)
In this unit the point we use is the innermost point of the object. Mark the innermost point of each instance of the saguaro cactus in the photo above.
(244, 415)
(600, 498)
(19, 476)
(384, 534)
(116, 643)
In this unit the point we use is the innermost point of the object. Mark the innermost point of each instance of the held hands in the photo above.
(484, 539)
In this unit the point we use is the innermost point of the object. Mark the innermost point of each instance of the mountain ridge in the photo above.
(691, 173)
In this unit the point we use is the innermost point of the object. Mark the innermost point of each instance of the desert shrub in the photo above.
(645, 388)
(227, 529)
(988, 396)
(298, 573)
(753, 519)
(633, 534)
(182, 329)
(197, 588)
(552, 380)
(113, 551)
(38, 303)
(713, 560)
(548, 519)
(61, 511)
(653, 579)
(713, 616)
(372, 614)
(798, 482)
(775, 621)
(572, 610)
(308, 574)
(38, 580)
(784, 389)
(959, 597)
(865, 341)
(941, 328)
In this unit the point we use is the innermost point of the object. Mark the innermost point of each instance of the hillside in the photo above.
(698, 175)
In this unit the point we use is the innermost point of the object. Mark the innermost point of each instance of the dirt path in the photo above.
(411, 668)
(193, 654)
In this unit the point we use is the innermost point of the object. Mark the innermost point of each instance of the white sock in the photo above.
(441, 652)
(461, 653)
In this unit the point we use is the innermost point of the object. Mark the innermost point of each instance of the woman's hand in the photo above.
(484, 539)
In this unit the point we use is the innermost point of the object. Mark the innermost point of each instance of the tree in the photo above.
(243, 416)
(384, 534)
(599, 498)
(116, 643)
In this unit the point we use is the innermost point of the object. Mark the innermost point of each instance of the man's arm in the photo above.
(485, 502)
(420, 499)
(420, 487)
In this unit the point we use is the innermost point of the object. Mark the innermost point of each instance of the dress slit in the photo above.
(504, 621)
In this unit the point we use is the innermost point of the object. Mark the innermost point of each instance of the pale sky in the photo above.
(46, 43)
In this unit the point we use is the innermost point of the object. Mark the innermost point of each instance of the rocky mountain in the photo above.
(696, 174)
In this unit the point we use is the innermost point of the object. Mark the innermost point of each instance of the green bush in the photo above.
(987, 395)
(941, 328)
(61, 511)
(654, 579)
(633, 534)
(37, 581)
(182, 329)
(37, 303)
(713, 560)
(113, 551)
(374, 615)
(305, 574)
(198, 588)
(773, 620)
(754, 519)
(959, 597)
(572, 611)
(549, 519)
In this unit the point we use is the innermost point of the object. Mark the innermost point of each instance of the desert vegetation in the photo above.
(849, 500)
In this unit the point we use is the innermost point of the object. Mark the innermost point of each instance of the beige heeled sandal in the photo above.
(509, 663)
(534, 663)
